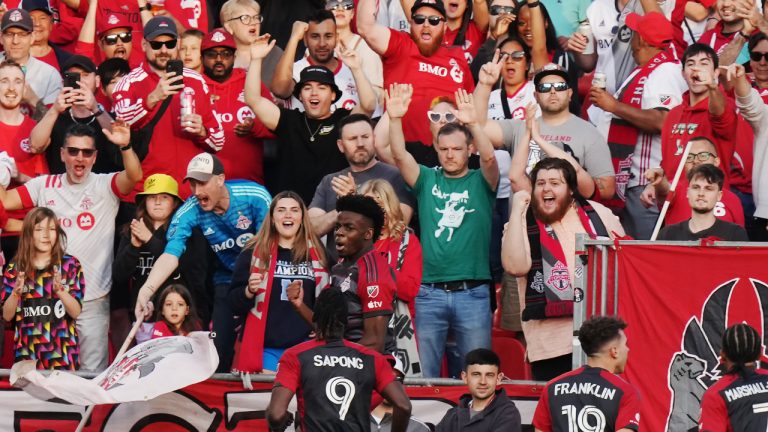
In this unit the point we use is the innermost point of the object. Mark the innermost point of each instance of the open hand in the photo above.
(397, 99)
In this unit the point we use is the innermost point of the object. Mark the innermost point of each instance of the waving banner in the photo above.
(148, 370)
(678, 301)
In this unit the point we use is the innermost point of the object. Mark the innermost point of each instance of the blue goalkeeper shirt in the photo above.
(226, 233)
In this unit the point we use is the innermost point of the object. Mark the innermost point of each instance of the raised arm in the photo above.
(487, 78)
(515, 248)
(375, 34)
(398, 99)
(480, 15)
(163, 268)
(265, 109)
(647, 120)
(282, 80)
(577, 43)
(40, 136)
(120, 136)
(381, 140)
(88, 30)
(467, 115)
(539, 54)
(365, 91)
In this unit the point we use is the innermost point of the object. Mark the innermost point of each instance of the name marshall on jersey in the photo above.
(585, 388)
(739, 392)
(334, 361)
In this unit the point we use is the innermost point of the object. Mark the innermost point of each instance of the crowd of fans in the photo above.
(422, 155)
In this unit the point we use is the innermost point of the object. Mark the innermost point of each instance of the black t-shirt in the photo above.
(108, 160)
(724, 230)
(304, 161)
(333, 382)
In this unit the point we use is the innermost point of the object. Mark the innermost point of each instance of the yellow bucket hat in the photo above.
(160, 183)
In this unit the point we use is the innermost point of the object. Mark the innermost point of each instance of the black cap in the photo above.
(436, 5)
(158, 26)
(319, 74)
(33, 5)
(16, 18)
(550, 69)
(82, 62)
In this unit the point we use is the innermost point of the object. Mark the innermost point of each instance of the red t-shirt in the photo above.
(473, 39)
(160, 330)
(736, 404)
(728, 208)
(51, 59)
(441, 74)
(715, 37)
(191, 13)
(408, 278)
(16, 142)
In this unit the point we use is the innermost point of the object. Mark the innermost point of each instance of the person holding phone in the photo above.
(156, 88)
(285, 252)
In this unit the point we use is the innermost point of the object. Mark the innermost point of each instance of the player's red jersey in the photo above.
(736, 404)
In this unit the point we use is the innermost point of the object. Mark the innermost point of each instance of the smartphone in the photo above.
(176, 66)
(71, 79)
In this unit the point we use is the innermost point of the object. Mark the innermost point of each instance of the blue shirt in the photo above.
(227, 233)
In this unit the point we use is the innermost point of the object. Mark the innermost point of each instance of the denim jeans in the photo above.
(467, 312)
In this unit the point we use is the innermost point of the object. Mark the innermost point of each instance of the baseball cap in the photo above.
(653, 27)
(33, 5)
(158, 26)
(160, 183)
(218, 38)
(547, 70)
(16, 18)
(80, 61)
(204, 166)
(436, 5)
(113, 21)
(319, 74)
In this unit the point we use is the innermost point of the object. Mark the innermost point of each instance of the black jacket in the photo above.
(500, 415)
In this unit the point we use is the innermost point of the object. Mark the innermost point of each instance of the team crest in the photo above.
(86, 203)
(112, 20)
(218, 37)
(558, 277)
(243, 222)
(373, 291)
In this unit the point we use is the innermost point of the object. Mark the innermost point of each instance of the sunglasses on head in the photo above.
(502, 10)
(335, 5)
(433, 19)
(757, 56)
(436, 117)
(157, 45)
(73, 151)
(547, 87)
(513, 55)
(112, 39)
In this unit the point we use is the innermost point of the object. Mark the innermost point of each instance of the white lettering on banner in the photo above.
(440, 71)
(343, 361)
(226, 244)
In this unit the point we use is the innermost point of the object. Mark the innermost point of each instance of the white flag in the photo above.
(148, 370)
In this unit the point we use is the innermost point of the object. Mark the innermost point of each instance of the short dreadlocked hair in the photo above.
(741, 345)
(598, 331)
(365, 206)
(330, 316)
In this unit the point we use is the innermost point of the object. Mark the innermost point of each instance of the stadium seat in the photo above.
(512, 354)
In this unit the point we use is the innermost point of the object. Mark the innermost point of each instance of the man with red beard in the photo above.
(114, 38)
(243, 155)
(546, 263)
(418, 59)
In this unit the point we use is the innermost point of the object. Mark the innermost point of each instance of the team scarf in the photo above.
(250, 357)
(622, 135)
(548, 291)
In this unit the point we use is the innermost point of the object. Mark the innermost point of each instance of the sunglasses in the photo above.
(502, 10)
(513, 55)
(73, 151)
(112, 39)
(547, 87)
(701, 156)
(157, 45)
(433, 20)
(335, 5)
(212, 55)
(757, 56)
(436, 117)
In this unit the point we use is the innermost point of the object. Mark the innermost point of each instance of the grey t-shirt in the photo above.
(576, 137)
(325, 197)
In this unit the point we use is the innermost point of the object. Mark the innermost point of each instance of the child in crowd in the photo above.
(190, 49)
(176, 314)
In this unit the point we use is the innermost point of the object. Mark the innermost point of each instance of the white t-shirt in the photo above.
(391, 14)
(344, 80)
(87, 213)
(604, 19)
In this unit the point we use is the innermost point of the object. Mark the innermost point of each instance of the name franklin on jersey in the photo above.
(585, 388)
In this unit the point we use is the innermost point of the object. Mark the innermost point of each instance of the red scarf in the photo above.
(251, 351)
(622, 136)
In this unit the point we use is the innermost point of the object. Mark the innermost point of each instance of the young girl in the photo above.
(176, 314)
(42, 294)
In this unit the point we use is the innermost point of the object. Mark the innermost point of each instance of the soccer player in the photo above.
(593, 395)
(335, 376)
(731, 404)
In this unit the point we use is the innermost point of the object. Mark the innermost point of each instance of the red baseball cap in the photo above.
(653, 27)
(218, 38)
(113, 21)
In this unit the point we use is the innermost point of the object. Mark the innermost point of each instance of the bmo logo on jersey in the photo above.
(456, 73)
(85, 221)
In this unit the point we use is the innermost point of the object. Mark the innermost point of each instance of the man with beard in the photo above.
(356, 143)
(562, 129)
(454, 206)
(730, 33)
(546, 262)
(243, 155)
(149, 91)
(319, 36)
(418, 58)
(705, 190)
(307, 148)
(108, 35)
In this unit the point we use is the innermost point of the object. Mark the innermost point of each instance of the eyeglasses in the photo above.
(14, 35)
(337, 5)
(547, 87)
(433, 20)
(73, 151)
(701, 156)
(212, 55)
(157, 45)
(436, 117)
(502, 10)
(757, 56)
(248, 19)
(112, 39)
(512, 55)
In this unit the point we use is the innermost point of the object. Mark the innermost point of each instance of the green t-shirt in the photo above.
(455, 221)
